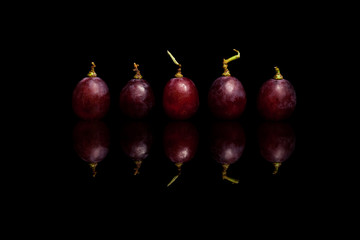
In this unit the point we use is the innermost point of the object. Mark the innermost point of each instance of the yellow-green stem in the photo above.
(276, 167)
(92, 72)
(278, 75)
(226, 61)
(225, 177)
(138, 165)
(178, 165)
(137, 75)
(93, 168)
(178, 74)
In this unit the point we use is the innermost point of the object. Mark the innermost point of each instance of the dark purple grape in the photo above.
(91, 97)
(91, 141)
(227, 144)
(180, 141)
(180, 96)
(136, 141)
(227, 98)
(276, 99)
(276, 141)
(137, 97)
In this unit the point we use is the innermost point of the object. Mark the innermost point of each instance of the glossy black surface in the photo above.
(158, 147)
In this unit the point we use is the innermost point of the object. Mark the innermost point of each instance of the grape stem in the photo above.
(278, 75)
(178, 165)
(93, 168)
(92, 72)
(226, 61)
(137, 75)
(138, 165)
(276, 167)
(178, 74)
(225, 177)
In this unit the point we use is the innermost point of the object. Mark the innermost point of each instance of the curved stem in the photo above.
(237, 56)
(226, 61)
(225, 177)
(92, 72)
(178, 74)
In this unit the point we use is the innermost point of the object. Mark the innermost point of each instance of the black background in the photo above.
(290, 37)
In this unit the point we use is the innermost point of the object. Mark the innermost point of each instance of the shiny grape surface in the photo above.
(276, 99)
(227, 98)
(91, 98)
(180, 98)
(136, 99)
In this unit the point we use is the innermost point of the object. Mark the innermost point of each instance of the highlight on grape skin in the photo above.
(227, 96)
(180, 96)
(91, 97)
(136, 98)
(276, 98)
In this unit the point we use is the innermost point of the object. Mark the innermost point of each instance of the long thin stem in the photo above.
(237, 56)
(173, 179)
(232, 180)
(178, 74)
(178, 165)
(173, 58)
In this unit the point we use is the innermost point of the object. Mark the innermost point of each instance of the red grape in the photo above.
(180, 96)
(136, 141)
(227, 97)
(276, 141)
(227, 144)
(276, 99)
(91, 97)
(91, 141)
(136, 97)
(180, 143)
